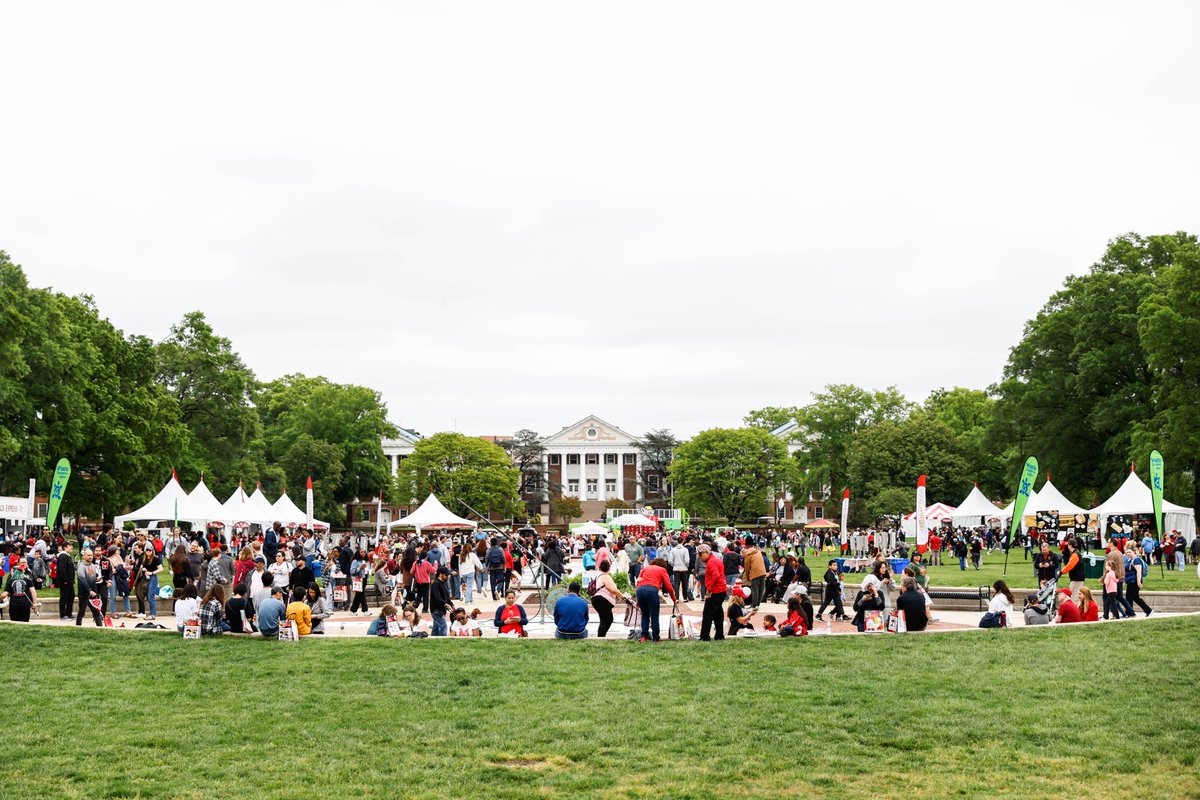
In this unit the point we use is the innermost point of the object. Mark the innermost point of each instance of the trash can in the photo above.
(1093, 566)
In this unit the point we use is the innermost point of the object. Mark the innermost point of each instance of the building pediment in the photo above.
(590, 431)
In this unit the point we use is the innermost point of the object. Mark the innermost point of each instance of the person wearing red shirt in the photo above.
(1088, 610)
(935, 550)
(1067, 610)
(653, 579)
(715, 588)
(795, 619)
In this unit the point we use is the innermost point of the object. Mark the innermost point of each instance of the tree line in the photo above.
(126, 410)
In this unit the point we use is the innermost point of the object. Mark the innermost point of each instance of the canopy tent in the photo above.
(239, 512)
(1007, 512)
(264, 511)
(1134, 498)
(289, 514)
(934, 515)
(631, 521)
(200, 507)
(975, 510)
(820, 525)
(590, 529)
(164, 505)
(432, 514)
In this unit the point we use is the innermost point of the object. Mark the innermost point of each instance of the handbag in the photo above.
(356, 584)
(633, 616)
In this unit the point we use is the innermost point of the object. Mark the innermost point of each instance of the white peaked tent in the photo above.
(590, 529)
(975, 510)
(201, 507)
(934, 514)
(264, 511)
(1008, 509)
(162, 506)
(1134, 498)
(238, 509)
(1049, 498)
(289, 513)
(631, 520)
(432, 514)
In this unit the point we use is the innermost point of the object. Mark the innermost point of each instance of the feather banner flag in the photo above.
(1156, 489)
(1024, 489)
(922, 531)
(845, 515)
(308, 505)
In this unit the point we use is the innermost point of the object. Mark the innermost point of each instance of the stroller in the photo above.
(1048, 595)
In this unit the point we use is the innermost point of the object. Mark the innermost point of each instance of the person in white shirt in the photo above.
(464, 625)
(187, 606)
(281, 569)
(468, 565)
(1001, 603)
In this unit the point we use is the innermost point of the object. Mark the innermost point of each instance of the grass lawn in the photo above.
(1022, 713)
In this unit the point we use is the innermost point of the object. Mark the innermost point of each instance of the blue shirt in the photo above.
(269, 615)
(571, 614)
(1148, 545)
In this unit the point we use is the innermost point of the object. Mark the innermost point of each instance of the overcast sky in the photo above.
(512, 215)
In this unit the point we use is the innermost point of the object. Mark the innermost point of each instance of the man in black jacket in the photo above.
(64, 571)
(439, 601)
(832, 593)
(553, 559)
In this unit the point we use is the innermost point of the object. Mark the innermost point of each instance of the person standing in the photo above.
(1074, 569)
(495, 565)
(715, 589)
(1135, 572)
(653, 579)
(605, 599)
(832, 593)
(754, 572)
(151, 566)
(439, 600)
(960, 551)
(635, 552)
(88, 577)
(64, 571)
(1045, 565)
(20, 592)
(680, 561)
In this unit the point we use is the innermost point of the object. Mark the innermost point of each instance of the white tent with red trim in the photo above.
(934, 515)
(1134, 497)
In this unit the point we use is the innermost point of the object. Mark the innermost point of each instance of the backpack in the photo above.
(495, 558)
(593, 586)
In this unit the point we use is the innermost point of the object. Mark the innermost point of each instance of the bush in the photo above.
(619, 578)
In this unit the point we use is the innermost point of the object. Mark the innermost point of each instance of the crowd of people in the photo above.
(296, 580)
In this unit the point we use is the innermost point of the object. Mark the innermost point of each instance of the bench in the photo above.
(983, 594)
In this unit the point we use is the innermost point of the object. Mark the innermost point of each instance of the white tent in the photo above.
(1134, 498)
(975, 510)
(631, 520)
(164, 505)
(1008, 509)
(264, 511)
(432, 514)
(934, 515)
(201, 507)
(590, 529)
(289, 513)
(238, 509)
(1049, 498)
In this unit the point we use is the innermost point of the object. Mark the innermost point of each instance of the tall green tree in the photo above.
(527, 451)
(1078, 384)
(1169, 331)
(771, 417)
(658, 451)
(893, 455)
(353, 419)
(730, 472)
(460, 468)
(970, 414)
(215, 392)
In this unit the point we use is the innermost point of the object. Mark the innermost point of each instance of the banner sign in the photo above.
(1156, 489)
(308, 505)
(15, 508)
(62, 474)
(845, 514)
(1024, 489)
(922, 531)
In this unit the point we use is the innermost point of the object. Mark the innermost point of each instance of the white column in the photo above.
(583, 495)
(544, 489)
(395, 464)
(602, 470)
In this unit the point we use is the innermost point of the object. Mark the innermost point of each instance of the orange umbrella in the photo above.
(820, 524)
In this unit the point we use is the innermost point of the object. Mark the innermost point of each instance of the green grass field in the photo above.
(1105, 711)
(1020, 574)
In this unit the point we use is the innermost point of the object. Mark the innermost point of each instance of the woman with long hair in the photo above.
(1087, 606)
(179, 568)
(999, 607)
(212, 611)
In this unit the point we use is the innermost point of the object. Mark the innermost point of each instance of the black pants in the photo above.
(66, 599)
(496, 579)
(422, 591)
(680, 581)
(360, 598)
(19, 608)
(712, 616)
(1135, 597)
(84, 607)
(758, 589)
(1123, 603)
(832, 596)
(605, 609)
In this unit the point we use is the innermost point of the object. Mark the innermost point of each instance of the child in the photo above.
(1110, 592)
(121, 577)
(769, 623)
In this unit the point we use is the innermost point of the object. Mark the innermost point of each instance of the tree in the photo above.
(771, 417)
(892, 455)
(970, 414)
(215, 392)
(351, 418)
(527, 454)
(1078, 384)
(458, 469)
(306, 457)
(730, 472)
(828, 427)
(566, 508)
(658, 450)
(1169, 332)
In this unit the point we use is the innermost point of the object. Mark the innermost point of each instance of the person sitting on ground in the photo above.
(769, 624)
(318, 608)
(378, 626)
(463, 625)
(298, 612)
(187, 606)
(1036, 613)
(571, 615)
(1067, 610)
(999, 607)
(411, 623)
(1088, 611)
(212, 611)
(270, 613)
(867, 599)
(510, 617)
(739, 618)
(238, 611)
(795, 624)
(267, 581)
(911, 603)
